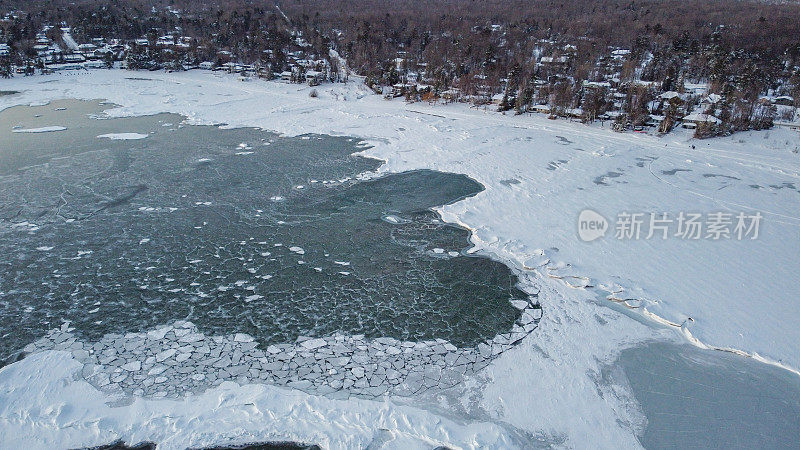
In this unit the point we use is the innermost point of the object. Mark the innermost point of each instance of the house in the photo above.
(695, 119)
(103, 51)
(783, 100)
(313, 77)
(286, 75)
(620, 53)
(540, 109)
(553, 60)
(69, 66)
(710, 101)
(696, 88)
(41, 49)
(400, 89)
(264, 72)
(451, 94)
(245, 69)
(596, 84)
(669, 95)
(87, 48)
(654, 120)
(497, 98)
(94, 65)
(672, 99)
(74, 58)
(575, 113)
(207, 65)
(609, 115)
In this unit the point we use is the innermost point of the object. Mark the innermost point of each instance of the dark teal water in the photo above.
(201, 223)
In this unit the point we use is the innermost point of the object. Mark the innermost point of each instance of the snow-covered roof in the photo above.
(696, 88)
(669, 95)
(550, 59)
(701, 118)
(604, 84)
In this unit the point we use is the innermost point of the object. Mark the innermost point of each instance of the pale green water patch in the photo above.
(696, 398)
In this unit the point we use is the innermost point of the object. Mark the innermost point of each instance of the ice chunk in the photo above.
(123, 136)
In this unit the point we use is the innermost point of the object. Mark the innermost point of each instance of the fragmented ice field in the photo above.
(235, 231)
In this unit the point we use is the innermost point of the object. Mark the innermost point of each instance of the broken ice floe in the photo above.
(123, 136)
(39, 130)
(172, 360)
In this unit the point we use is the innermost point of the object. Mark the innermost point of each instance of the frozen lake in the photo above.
(120, 225)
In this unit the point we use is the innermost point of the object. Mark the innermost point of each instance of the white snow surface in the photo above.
(123, 136)
(250, 413)
(539, 174)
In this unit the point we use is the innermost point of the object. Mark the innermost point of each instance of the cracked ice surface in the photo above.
(172, 360)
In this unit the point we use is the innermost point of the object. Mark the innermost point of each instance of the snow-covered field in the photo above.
(539, 175)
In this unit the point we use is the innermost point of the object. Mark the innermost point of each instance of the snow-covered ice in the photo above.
(237, 414)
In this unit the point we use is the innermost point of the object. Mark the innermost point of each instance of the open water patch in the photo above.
(121, 237)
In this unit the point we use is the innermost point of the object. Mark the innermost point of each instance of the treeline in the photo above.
(244, 32)
(479, 47)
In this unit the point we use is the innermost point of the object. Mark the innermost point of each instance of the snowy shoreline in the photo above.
(453, 138)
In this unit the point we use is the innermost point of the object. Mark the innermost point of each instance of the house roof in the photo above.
(701, 118)
(669, 95)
